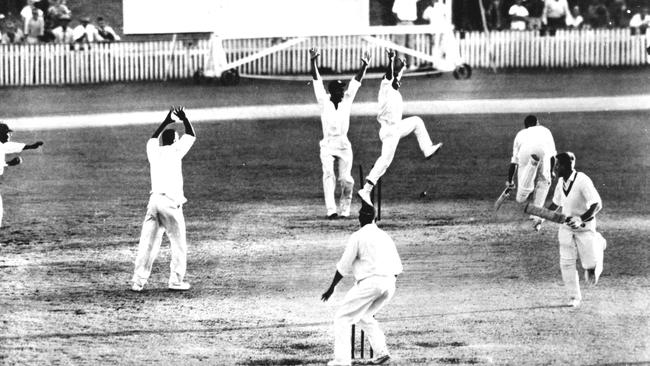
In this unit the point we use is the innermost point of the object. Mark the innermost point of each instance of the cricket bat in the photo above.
(505, 194)
(545, 213)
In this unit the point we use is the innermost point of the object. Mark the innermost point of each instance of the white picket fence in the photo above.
(55, 64)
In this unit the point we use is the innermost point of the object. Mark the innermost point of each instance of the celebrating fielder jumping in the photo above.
(393, 127)
(335, 118)
(533, 157)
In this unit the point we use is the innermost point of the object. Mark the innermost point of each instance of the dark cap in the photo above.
(4, 128)
(530, 121)
(335, 85)
(567, 158)
(366, 210)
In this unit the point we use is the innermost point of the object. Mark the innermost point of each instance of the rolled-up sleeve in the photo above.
(185, 143)
(515, 149)
(11, 147)
(353, 88)
(590, 193)
(345, 264)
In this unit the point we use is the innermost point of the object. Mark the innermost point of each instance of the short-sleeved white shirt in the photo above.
(335, 121)
(391, 104)
(536, 140)
(9, 147)
(369, 252)
(166, 166)
(575, 195)
(521, 11)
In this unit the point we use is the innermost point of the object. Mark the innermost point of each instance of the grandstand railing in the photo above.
(55, 64)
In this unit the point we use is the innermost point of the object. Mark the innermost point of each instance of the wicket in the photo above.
(361, 344)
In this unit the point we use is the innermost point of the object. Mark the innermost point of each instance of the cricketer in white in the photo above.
(335, 118)
(371, 257)
(580, 202)
(533, 158)
(9, 147)
(165, 208)
(393, 127)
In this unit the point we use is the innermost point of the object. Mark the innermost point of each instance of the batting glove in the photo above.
(574, 222)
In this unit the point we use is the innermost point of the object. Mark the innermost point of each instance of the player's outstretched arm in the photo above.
(365, 61)
(168, 120)
(313, 56)
(180, 113)
(33, 146)
(391, 59)
(327, 294)
(511, 173)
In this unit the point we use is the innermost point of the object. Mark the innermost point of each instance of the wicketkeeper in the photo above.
(580, 202)
(371, 257)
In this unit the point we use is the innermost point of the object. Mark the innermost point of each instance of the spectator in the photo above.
(12, 34)
(106, 32)
(575, 21)
(86, 32)
(518, 15)
(620, 14)
(63, 33)
(535, 12)
(35, 27)
(28, 12)
(555, 14)
(641, 20)
(494, 15)
(56, 11)
(406, 12)
(598, 14)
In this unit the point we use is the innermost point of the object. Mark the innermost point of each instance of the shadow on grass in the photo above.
(281, 361)
(136, 332)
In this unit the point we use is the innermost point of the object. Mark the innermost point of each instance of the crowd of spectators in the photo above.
(562, 14)
(49, 21)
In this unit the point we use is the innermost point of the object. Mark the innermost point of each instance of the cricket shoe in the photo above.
(179, 286)
(380, 360)
(136, 288)
(365, 196)
(590, 277)
(432, 151)
(333, 216)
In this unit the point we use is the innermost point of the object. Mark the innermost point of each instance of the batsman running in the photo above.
(533, 157)
(371, 257)
(580, 202)
(393, 127)
(335, 118)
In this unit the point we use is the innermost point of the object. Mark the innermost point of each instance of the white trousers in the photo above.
(344, 157)
(532, 177)
(163, 215)
(360, 305)
(585, 243)
(390, 137)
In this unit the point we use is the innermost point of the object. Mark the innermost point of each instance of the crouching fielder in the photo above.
(533, 157)
(576, 194)
(393, 127)
(371, 257)
(335, 117)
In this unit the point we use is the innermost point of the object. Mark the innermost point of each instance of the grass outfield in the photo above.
(478, 288)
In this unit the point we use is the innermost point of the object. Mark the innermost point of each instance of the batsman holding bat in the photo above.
(533, 157)
(580, 202)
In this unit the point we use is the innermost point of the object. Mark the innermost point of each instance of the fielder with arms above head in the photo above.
(393, 127)
(371, 257)
(165, 208)
(9, 147)
(533, 157)
(580, 202)
(335, 118)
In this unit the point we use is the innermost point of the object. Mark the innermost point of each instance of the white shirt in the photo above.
(406, 10)
(9, 147)
(369, 252)
(637, 21)
(556, 9)
(89, 30)
(575, 22)
(63, 36)
(520, 11)
(437, 17)
(335, 121)
(576, 195)
(166, 167)
(536, 140)
(391, 104)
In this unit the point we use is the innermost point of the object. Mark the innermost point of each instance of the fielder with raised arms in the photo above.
(165, 208)
(393, 127)
(533, 157)
(580, 202)
(9, 147)
(371, 257)
(335, 117)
